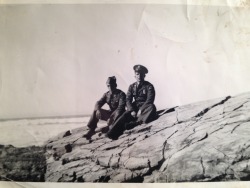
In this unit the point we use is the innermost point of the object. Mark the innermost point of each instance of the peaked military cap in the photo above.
(111, 80)
(140, 69)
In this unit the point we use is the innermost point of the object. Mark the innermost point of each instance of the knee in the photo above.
(97, 114)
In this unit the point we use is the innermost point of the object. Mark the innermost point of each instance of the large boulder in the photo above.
(205, 141)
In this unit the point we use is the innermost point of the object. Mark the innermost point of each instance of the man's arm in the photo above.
(122, 102)
(100, 102)
(150, 96)
(129, 99)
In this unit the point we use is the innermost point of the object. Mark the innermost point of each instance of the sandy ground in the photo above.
(27, 132)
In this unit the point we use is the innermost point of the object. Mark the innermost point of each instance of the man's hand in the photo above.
(98, 114)
(138, 113)
(133, 113)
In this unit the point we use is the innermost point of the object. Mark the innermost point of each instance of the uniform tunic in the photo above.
(142, 94)
(116, 102)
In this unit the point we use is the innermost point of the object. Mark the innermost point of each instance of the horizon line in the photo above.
(44, 117)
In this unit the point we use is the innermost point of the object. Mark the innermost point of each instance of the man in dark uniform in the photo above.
(140, 104)
(116, 99)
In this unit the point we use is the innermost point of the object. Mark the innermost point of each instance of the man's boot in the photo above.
(89, 134)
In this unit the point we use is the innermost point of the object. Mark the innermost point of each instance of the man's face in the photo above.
(111, 87)
(139, 76)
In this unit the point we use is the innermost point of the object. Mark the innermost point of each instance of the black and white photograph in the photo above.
(124, 92)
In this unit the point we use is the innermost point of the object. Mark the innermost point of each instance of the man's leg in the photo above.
(117, 128)
(113, 117)
(105, 114)
(148, 114)
(92, 124)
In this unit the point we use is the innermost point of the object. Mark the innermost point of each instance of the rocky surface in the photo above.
(22, 164)
(206, 141)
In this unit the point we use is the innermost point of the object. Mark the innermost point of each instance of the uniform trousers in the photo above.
(148, 114)
(106, 115)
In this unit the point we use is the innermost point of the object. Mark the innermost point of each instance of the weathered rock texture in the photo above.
(206, 141)
(22, 164)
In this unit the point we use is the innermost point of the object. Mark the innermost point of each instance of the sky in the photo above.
(55, 59)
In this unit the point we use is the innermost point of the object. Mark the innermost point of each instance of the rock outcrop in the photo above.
(22, 164)
(206, 141)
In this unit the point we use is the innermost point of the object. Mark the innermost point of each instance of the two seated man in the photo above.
(139, 101)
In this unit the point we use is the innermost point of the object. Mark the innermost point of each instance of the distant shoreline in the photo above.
(44, 117)
(34, 131)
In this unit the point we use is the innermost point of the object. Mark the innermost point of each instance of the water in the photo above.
(26, 132)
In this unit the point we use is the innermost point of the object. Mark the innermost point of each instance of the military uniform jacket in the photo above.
(142, 95)
(116, 100)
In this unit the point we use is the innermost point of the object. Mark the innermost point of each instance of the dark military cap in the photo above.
(111, 80)
(140, 69)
